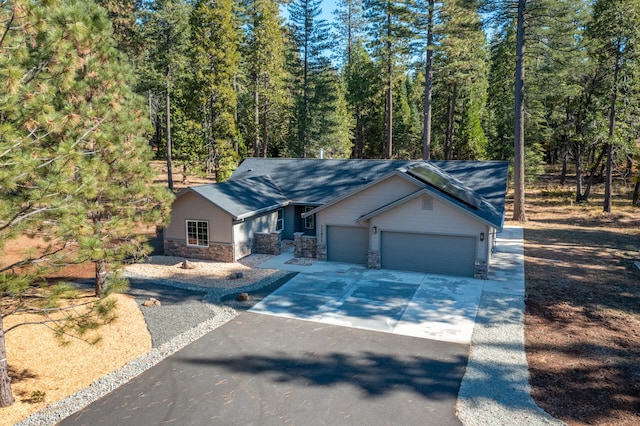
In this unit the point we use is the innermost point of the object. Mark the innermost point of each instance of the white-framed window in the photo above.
(280, 221)
(309, 221)
(198, 233)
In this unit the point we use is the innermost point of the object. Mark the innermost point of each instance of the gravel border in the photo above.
(210, 307)
(495, 388)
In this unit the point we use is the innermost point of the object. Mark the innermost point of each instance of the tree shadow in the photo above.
(373, 373)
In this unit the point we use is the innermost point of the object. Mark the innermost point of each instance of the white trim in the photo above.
(306, 218)
(279, 221)
(186, 229)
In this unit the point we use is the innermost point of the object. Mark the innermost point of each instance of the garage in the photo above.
(347, 244)
(430, 253)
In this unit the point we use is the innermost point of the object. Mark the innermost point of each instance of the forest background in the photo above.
(230, 79)
(89, 89)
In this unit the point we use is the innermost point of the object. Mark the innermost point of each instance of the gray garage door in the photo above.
(435, 254)
(347, 244)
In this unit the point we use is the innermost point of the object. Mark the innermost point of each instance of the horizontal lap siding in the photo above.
(194, 207)
(442, 219)
(348, 210)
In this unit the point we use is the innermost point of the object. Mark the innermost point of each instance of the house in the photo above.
(431, 216)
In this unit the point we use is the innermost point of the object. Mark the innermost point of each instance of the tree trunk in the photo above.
(578, 162)
(451, 119)
(518, 163)
(101, 277)
(592, 176)
(168, 135)
(428, 87)
(256, 119)
(612, 127)
(389, 136)
(563, 175)
(6, 396)
(265, 127)
(636, 193)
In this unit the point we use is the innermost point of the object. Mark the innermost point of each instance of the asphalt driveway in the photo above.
(338, 345)
(269, 370)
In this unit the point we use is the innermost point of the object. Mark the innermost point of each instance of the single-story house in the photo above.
(431, 216)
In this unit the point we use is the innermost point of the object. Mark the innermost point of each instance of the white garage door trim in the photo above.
(430, 253)
(349, 244)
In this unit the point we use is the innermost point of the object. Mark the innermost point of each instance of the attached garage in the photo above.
(431, 253)
(347, 244)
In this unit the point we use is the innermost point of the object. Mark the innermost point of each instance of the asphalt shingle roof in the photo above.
(243, 197)
(261, 184)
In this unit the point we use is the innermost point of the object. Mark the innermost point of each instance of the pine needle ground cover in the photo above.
(583, 305)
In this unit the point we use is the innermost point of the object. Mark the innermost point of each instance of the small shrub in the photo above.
(36, 397)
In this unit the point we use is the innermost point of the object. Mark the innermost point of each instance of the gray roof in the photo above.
(260, 184)
(243, 197)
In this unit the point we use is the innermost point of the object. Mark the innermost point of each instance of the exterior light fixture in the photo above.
(374, 230)
(482, 236)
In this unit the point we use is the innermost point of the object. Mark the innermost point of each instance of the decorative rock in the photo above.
(151, 302)
(188, 265)
(243, 297)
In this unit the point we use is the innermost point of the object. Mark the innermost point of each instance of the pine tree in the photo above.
(216, 63)
(615, 34)
(390, 34)
(75, 163)
(363, 83)
(265, 57)
(166, 32)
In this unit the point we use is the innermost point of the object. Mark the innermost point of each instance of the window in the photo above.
(280, 221)
(197, 233)
(309, 221)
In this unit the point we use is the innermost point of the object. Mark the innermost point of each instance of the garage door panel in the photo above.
(436, 254)
(347, 244)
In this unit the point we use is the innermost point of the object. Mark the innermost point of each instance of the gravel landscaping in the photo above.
(190, 307)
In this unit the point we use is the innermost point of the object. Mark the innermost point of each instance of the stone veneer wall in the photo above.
(218, 252)
(481, 270)
(321, 252)
(305, 245)
(267, 242)
(373, 260)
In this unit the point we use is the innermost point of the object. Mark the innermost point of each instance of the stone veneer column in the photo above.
(267, 242)
(373, 260)
(297, 244)
(480, 270)
(309, 245)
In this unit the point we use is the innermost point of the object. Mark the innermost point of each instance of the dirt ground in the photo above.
(583, 306)
(582, 321)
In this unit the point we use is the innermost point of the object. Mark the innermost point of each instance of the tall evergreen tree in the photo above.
(615, 34)
(166, 31)
(215, 67)
(311, 38)
(74, 159)
(390, 34)
(265, 56)
(363, 84)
